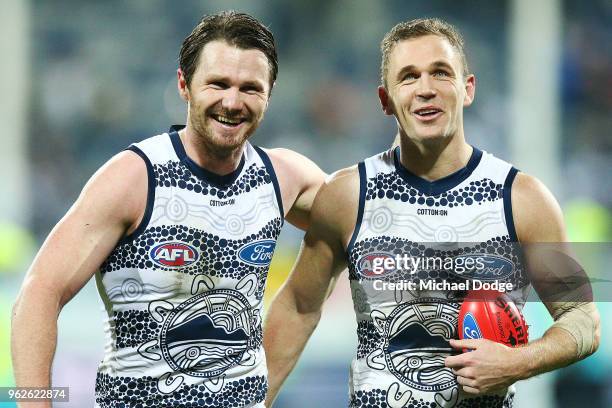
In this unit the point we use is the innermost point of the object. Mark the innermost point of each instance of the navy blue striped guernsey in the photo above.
(404, 331)
(183, 294)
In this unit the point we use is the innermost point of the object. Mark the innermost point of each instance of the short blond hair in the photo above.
(420, 28)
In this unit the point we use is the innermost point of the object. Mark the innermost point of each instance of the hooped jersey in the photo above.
(183, 294)
(403, 223)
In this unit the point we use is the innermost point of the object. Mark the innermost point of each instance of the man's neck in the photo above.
(205, 156)
(436, 159)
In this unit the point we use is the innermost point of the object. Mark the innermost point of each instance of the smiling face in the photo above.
(426, 89)
(228, 95)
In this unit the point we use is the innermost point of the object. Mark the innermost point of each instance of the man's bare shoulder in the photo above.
(299, 179)
(118, 189)
(127, 163)
(343, 183)
(292, 162)
(124, 172)
(337, 202)
(537, 214)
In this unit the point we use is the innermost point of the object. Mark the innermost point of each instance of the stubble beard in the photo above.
(218, 146)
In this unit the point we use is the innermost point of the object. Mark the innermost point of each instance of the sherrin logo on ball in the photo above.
(494, 316)
(258, 253)
(173, 254)
(470, 327)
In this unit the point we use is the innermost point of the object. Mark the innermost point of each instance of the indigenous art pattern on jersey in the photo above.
(183, 294)
(403, 334)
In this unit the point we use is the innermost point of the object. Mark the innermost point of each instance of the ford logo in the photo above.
(470, 327)
(258, 253)
(483, 267)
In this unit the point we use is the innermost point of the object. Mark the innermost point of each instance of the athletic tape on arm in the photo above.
(576, 318)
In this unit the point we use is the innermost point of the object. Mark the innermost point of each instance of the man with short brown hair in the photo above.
(179, 230)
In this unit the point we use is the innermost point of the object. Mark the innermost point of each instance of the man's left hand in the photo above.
(489, 366)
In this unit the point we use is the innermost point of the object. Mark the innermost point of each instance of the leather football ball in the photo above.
(492, 315)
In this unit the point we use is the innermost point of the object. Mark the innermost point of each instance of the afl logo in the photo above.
(470, 327)
(376, 264)
(173, 254)
(258, 253)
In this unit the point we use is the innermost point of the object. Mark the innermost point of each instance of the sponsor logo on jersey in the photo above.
(217, 203)
(376, 264)
(470, 327)
(485, 267)
(258, 253)
(174, 254)
(431, 211)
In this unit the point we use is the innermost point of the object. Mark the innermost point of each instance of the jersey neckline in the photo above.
(443, 184)
(206, 175)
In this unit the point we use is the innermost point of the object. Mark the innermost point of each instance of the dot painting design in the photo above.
(368, 338)
(393, 186)
(257, 337)
(176, 174)
(218, 256)
(124, 392)
(377, 398)
(488, 401)
(134, 327)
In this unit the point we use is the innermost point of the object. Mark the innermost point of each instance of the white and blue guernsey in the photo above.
(404, 332)
(183, 294)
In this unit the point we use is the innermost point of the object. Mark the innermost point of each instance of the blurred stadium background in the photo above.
(81, 80)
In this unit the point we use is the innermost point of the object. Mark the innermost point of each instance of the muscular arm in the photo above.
(296, 309)
(110, 204)
(299, 180)
(541, 231)
(540, 226)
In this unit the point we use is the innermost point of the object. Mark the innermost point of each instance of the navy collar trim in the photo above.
(206, 175)
(442, 185)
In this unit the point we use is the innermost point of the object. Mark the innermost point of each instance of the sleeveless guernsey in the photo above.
(403, 332)
(183, 294)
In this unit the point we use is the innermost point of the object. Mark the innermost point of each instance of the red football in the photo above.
(492, 315)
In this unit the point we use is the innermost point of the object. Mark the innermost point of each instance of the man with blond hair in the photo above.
(432, 196)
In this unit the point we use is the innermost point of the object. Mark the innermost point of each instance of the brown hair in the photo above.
(238, 29)
(420, 28)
